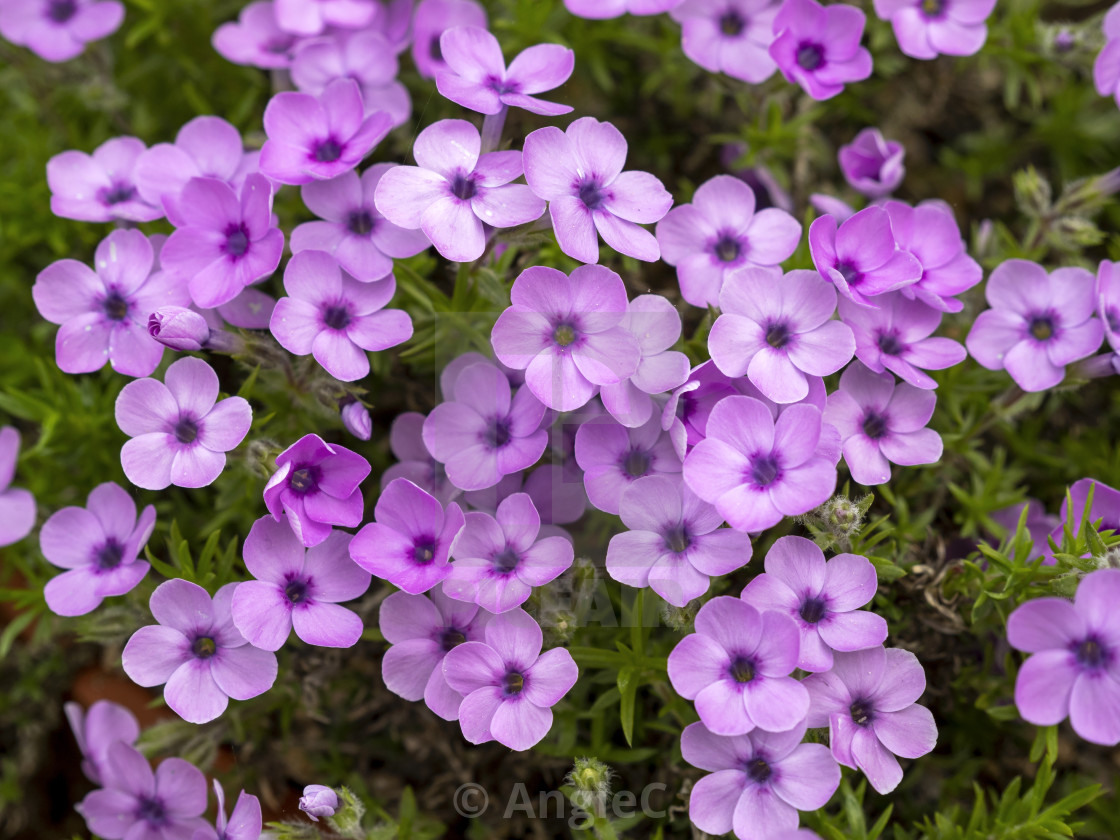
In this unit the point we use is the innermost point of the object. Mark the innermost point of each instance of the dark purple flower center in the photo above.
(451, 637)
(150, 809)
(279, 46)
(115, 306)
(424, 551)
(61, 11)
(731, 23)
(874, 425)
(1042, 327)
(635, 463)
(812, 610)
(497, 433)
(764, 470)
(305, 480)
(327, 151)
(500, 86)
(727, 248)
(762, 196)
(591, 193)
(758, 770)
(237, 240)
(118, 193)
(108, 556)
(204, 647)
(862, 711)
(565, 335)
(850, 273)
(778, 335)
(506, 561)
(678, 538)
(463, 187)
(1112, 318)
(933, 8)
(186, 430)
(742, 670)
(296, 590)
(434, 49)
(810, 56)
(512, 683)
(1091, 653)
(337, 316)
(360, 222)
(889, 344)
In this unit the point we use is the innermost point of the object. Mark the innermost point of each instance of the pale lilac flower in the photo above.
(882, 423)
(861, 257)
(318, 801)
(250, 310)
(255, 39)
(179, 328)
(675, 541)
(310, 17)
(58, 30)
(871, 164)
(737, 666)
(432, 19)
(509, 686)
(421, 632)
(179, 435)
(776, 332)
(579, 172)
(475, 74)
(930, 233)
(867, 701)
(314, 138)
(1038, 323)
(600, 9)
(729, 36)
(756, 469)
(334, 317)
(818, 48)
(720, 232)
(99, 187)
(928, 28)
(406, 440)
(297, 588)
(363, 241)
(410, 539)
(356, 419)
(244, 823)
(558, 497)
(196, 650)
(17, 506)
(454, 190)
(758, 782)
(685, 416)
(98, 546)
(832, 205)
(1108, 301)
(1106, 68)
(97, 729)
(822, 597)
(564, 332)
(1038, 523)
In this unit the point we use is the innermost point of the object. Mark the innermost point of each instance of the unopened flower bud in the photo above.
(178, 328)
(591, 779)
(680, 618)
(318, 801)
(1073, 232)
(1032, 192)
(356, 419)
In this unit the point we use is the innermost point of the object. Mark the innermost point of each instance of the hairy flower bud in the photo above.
(591, 779)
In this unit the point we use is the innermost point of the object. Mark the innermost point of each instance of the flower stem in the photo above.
(492, 130)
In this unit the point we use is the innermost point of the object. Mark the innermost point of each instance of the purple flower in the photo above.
(1038, 523)
(197, 651)
(601, 9)
(509, 686)
(612, 457)
(363, 241)
(316, 484)
(244, 823)
(579, 172)
(225, 241)
(927, 29)
(756, 470)
(872, 165)
(930, 233)
(822, 597)
(685, 416)
(757, 782)
(98, 545)
(137, 803)
(409, 542)
(318, 801)
(313, 138)
(564, 332)
(818, 47)
(432, 19)
(1038, 323)
(334, 317)
(729, 36)
(297, 588)
(674, 543)
(1106, 68)
(482, 433)
(881, 423)
(356, 419)
(96, 730)
(868, 703)
(179, 328)
(1075, 666)
(179, 436)
(777, 332)
(455, 189)
(99, 187)
(58, 30)
(421, 632)
(406, 441)
(255, 39)
(17, 506)
(310, 17)
(736, 667)
(720, 232)
(861, 257)
(1108, 301)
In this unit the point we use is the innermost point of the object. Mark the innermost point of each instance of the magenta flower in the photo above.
(927, 29)
(410, 539)
(421, 632)
(509, 686)
(356, 419)
(226, 241)
(930, 233)
(1106, 68)
(564, 332)
(255, 39)
(363, 241)
(720, 232)
(17, 506)
(872, 165)
(729, 36)
(868, 703)
(244, 823)
(861, 257)
(197, 651)
(310, 17)
(579, 172)
(99, 187)
(318, 801)
(818, 47)
(406, 441)
(316, 484)
(1074, 669)
(432, 19)
(455, 189)
(314, 138)
(58, 30)
(822, 597)
(685, 416)
(97, 729)
(1038, 323)
(612, 457)
(881, 423)
(777, 332)
(757, 782)
(179, 435)
(297, 588)
(179, 328)
(756, 470)
(98, 546)
(601, 9)
(736, 667)
(334, 317)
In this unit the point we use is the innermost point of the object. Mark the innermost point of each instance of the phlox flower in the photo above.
(58, 30)
(601, 9)
(431, 20)
(860, 256)
(1108, 301)
(17, 506)
(98, 728)
(872, 164)
(406, 441)
(245, 822)
(729, 36)
(685, 416)
(930, 233)
(99, 187)
(310, 17)
(255, 39)
(928, 28)
(356, 418)
(1106, 68)
(818, 48)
